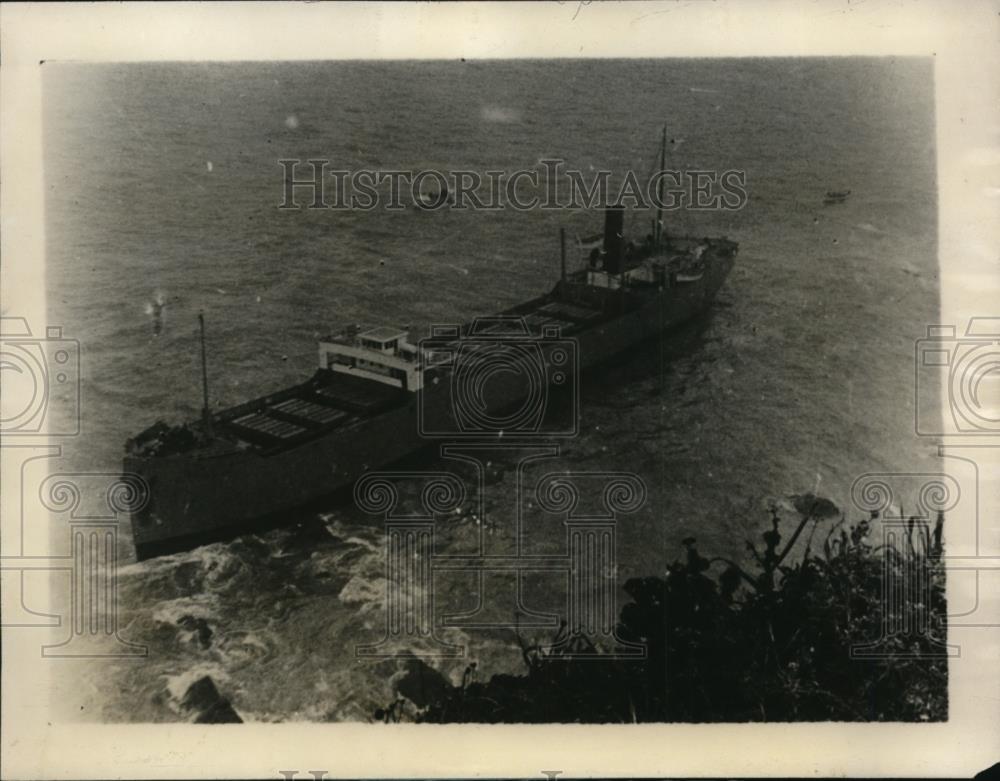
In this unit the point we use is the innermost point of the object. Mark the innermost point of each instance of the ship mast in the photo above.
(658, 234)
(206, 414)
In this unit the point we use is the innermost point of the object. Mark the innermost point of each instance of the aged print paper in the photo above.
(531, 390)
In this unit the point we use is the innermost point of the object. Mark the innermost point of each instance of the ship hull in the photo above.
(195, 499)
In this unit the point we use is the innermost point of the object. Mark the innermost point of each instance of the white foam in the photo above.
(364, 590)
(172, 611)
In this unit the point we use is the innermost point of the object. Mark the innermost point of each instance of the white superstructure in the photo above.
(382, 354)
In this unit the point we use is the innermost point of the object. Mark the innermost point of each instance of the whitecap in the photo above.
(359, 589)
(172, 611)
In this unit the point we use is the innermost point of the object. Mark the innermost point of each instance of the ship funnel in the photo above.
(614, 239)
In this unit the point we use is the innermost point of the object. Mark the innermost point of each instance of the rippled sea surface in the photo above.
(163, 183)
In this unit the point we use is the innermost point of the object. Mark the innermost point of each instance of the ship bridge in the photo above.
(383, 354)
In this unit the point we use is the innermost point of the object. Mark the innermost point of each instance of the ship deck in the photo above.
(332, 400)
(327, 401)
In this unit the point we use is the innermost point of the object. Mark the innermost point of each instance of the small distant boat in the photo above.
(835, 196)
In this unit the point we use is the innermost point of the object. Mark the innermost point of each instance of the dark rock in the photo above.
(209, 706)
(422, 684)
(220, 713)
(200, 627)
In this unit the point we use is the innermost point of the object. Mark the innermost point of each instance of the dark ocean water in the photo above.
(163, 184)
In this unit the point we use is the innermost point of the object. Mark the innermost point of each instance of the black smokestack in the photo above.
(614, 240)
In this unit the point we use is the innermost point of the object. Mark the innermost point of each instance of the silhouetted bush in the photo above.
(724, 643)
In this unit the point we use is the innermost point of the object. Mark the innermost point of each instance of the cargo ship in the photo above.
(377, 397)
